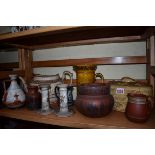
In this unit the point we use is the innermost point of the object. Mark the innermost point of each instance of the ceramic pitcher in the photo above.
(85, 74)
(138, 108)
(33, 98)
(14, 96)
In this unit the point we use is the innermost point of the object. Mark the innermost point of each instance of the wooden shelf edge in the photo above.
(92, 35)
(89, 41)
(5, 74)
(97, 61)
(38, 31)
(11, 65)
(115, 120)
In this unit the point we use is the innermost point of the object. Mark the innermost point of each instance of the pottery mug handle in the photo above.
(70, 76)
(150, 100)
(5, 92)
(24, 84)
(57, 94)
(100, 75)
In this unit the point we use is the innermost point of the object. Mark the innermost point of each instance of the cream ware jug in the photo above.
(14, 96)
(53, 81)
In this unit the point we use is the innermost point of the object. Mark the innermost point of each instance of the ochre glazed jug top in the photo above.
(85, 67)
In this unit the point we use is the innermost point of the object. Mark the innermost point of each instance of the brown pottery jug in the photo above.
(138, 108)
(33, 98)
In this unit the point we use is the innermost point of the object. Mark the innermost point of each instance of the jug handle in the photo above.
(70, 75)
(56, 90)
(150, 102)
(24, 84)
(5, 92)
(100, 75)
(4, 85)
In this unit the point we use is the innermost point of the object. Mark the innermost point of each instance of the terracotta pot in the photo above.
(94, 106)
(138, 108)
(94, 89)
(33, 98)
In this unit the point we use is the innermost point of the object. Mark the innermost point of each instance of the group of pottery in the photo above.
(93, 99)
(37, 95)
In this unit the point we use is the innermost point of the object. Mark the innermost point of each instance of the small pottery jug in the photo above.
(138, 108)
(14, 96)
(86, 74)
(33, 98)
(69, 94)
(62, 93)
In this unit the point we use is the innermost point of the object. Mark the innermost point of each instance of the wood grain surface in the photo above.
(115, 120)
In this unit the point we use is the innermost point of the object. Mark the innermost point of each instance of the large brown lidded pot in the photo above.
(138, 108)
(92, 102)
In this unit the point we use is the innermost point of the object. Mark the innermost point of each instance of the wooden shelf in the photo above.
(5, 66)
(114, 120)
(97, 61)
(56, 36)
(5, 74)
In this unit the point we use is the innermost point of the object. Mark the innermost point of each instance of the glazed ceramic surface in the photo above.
(33, 98)
(14, 96)
(94, 100)
(45, 107)
(94, 106)
(94, 89)
(86, 74)
(62, 93)
(138, 108)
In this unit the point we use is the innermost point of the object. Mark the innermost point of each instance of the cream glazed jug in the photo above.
(53, 81)
(14, 96)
